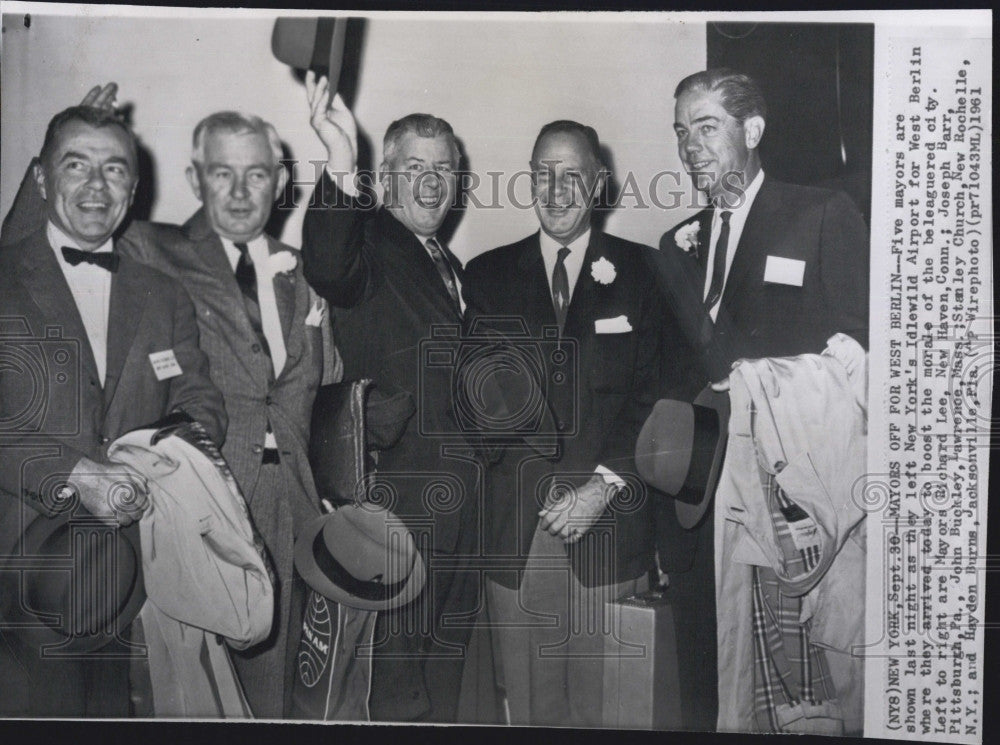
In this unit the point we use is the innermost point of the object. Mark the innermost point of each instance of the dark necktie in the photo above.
(719, 263)
(444, 268)
(105, 259)
(560, 288)
(246, 278)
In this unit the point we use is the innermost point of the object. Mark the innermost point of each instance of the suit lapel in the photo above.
(126, 308)
(227, 298)
(579, 318)
(286, 291)
(415, 262)
(47, 285)
(537, 301)
(753, 245)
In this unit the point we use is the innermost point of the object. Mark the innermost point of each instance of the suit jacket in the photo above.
(389, 299)
(55, 411)
(613, 382)
(819, 227)
(75, 416)
(244, 373)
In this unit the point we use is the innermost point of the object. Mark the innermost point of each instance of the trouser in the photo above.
(419, 650)
(266, 670)
(550, 636)
(692, 596)
(94, 685)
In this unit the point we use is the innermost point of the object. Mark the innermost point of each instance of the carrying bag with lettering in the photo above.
(333, 675)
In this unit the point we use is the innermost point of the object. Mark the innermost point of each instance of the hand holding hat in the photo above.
(334, 123)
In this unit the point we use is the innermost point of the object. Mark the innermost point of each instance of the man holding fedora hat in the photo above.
(392, 280)
(768, 270)
(98, 345)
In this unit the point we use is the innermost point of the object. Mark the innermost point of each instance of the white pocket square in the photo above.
(616, 325)
(782, 271)
(316, 314)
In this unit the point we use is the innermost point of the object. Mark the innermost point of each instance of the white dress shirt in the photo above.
(270, 321)
(737, 220)
(91, 289)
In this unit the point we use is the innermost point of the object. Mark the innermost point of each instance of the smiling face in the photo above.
(237, 182)
(419, 182)
(717, 150)
(565, 185)
(88, 181)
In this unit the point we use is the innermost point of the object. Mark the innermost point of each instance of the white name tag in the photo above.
(165, 364)
(616, 325)
(782, 271)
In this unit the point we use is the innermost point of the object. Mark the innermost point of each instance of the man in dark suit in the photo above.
(392, 281)
(268, 343)
(793, 269)
(137, 340)
(568, 522)
(768, 270)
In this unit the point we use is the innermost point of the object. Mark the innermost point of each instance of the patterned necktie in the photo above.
(560, 288)
(443, 266)
(104, 259)
(719, 263)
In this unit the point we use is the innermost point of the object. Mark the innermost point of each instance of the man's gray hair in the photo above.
(236, 123)
(423, 125)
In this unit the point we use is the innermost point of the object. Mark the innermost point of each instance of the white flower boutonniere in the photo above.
(686, 237)
(282, 262)
(603, 271)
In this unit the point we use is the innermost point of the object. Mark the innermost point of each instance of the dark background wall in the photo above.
(817, 80)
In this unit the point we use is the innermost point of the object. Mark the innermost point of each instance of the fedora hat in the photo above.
(72, 581)
(360, 555)
(311, 44)
(680, 451)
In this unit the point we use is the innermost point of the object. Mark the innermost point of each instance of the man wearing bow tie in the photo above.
(131, 357)
(393, 280)
(572, 523)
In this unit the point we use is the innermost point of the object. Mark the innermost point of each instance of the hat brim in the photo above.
(691, 513)
(34, 631)
(314, 567)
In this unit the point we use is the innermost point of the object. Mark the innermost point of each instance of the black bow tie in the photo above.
(106, 259)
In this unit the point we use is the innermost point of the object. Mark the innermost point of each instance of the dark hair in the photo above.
(566, 126)
(91, 116)
(423, 125)
(741, 96)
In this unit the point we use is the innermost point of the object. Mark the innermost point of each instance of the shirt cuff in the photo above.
(346, 182)
(610, 477)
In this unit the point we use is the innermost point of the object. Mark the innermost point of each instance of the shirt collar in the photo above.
(748, 196)
(58, 239)
(550, 246)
